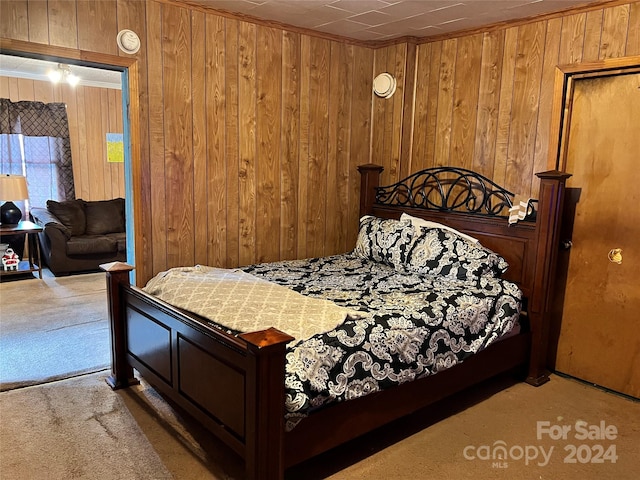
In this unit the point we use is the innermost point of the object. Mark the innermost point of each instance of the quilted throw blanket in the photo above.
(243, 302)
(416, 326)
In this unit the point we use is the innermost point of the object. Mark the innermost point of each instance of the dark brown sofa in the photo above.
(80, 235)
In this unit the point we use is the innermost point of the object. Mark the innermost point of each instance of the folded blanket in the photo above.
(245, 303)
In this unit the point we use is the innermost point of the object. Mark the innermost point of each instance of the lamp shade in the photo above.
(13, 187)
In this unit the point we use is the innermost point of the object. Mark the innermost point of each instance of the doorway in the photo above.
(596, 330)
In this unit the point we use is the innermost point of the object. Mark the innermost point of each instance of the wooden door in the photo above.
(599, 338)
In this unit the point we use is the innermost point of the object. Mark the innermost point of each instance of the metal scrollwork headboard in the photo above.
(448, 189)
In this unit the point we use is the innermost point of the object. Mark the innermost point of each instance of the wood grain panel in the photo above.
(15, 19)
(615, 24)
(592, 36)
(199, 125)
(445, 102)
(465, 100)
(488, 102)
(269, 87)
(247, 100)
(420, 117)
(633, 39)
(63, 23)
(382, 115)
(320, 52)
(232, 148)
(397, 63)
(95, 24)
(155, 120)
(38, 22)
(178, 135)
(214, 140)
(432, 104)
(305, 129)
(572, 39)
(526, 95)
(290, 134)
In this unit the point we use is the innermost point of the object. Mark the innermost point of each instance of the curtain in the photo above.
(34, 142)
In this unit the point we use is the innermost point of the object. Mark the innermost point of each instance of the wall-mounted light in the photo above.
(63, 74)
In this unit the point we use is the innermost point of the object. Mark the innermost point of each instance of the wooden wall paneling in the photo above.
(215, 173)
(505, 107)
(340, 103)
(38, 22)
(360, 144)
(408, 109)
(44, 92)
(318, 113)
(267, 163)
(14, 94)
(592, 36)
(488, 102)
(545, 102)
(118, 127)
(82, 165)
(633, 38)
(393, 140)
(95, 153)
(445, 102)
(420, 116)
(379, 116)
(25, 89)
(432, 105)
(305, 133)
(465, 100)
(4, 87)
(572, 39)
(70, 98)
(290, 153)
(102, 141)
(526, 97)
(247, 142)
(63, 23)
(178, 135)
(15, 21)
(158, 205)
(97, 26)
(199, 139)
(232, 147)
(132, 16)
(615, 25)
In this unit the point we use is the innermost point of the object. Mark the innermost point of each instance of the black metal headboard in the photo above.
(448, 189)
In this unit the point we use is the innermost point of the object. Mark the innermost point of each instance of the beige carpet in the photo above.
(52, 328)
(79, 428)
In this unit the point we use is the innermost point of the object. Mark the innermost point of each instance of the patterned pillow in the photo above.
(384, 240)
(441, 252)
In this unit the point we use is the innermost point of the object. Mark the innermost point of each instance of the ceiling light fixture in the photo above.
(63, 74)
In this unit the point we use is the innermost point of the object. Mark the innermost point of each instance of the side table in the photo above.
(30, 231)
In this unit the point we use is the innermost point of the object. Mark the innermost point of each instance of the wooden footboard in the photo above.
(233, 385)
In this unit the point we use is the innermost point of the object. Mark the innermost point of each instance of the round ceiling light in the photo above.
(384, 85)
(128, 41)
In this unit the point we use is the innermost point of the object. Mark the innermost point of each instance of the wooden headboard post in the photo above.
(548, 223)
(369, 180)
(121, 372)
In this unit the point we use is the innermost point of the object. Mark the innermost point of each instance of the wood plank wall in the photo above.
(483, 101)
(250, 134)
(92, 112)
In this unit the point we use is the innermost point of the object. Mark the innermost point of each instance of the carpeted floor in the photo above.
(52, 328)
(80, 428)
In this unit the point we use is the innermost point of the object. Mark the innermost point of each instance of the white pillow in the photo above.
(419, 222)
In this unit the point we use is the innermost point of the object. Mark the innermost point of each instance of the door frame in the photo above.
(565, 78)
(130, 116)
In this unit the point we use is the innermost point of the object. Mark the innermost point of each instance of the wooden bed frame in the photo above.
(234, 384)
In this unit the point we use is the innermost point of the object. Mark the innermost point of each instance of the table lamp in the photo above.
(12, 187)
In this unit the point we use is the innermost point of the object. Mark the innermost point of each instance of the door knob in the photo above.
(566, 244)
(615, 255)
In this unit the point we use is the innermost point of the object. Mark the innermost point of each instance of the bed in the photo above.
(234, 383)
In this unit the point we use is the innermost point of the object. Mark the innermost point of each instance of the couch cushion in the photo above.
(121, 240)
(104, 216)
(71, 213)
(87, 244)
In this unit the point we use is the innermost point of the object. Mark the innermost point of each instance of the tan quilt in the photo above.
(243, 302)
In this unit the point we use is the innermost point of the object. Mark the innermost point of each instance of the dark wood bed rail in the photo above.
(540, 245)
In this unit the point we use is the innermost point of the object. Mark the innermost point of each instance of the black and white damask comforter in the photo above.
(416, 325)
